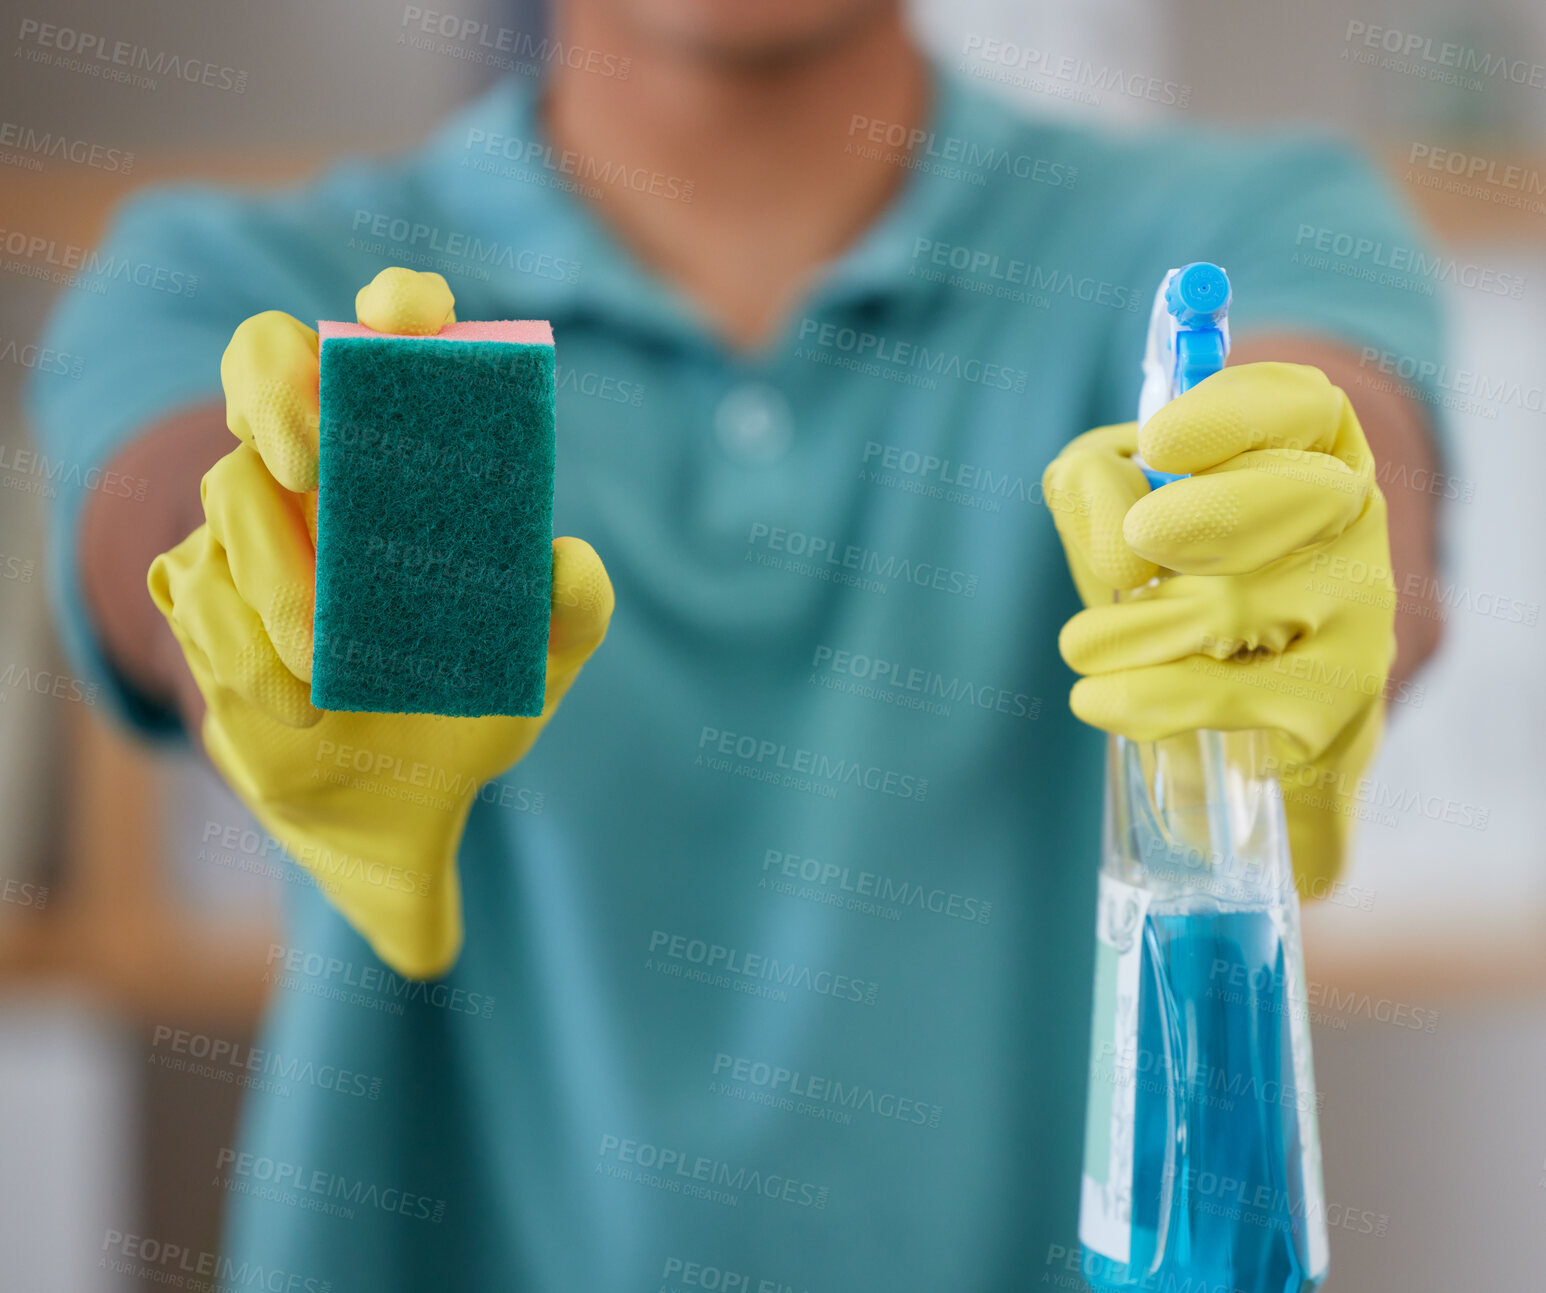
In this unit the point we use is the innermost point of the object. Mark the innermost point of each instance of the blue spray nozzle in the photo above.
(1188, 342)
(1198, 295)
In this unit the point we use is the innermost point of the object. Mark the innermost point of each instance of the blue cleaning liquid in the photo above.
(1219, 1200)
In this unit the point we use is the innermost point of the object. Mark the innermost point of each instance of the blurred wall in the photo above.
(93, 1140)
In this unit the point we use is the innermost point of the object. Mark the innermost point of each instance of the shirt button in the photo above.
(754, 423)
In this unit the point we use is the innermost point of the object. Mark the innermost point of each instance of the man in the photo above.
(770, 960)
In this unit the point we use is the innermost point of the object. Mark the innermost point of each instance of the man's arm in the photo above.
(1397, 429)
(120, 537)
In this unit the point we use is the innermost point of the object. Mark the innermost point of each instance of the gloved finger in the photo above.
(158, 581)
(1303, 692)
(269, 373)
(1254, 406)
(262, 529)
(192, 586)
(582, 609)
(1252, 510)
(405, 301)
(1187, 615)
(1089, 488)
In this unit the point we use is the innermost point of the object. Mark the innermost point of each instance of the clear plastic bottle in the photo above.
(1202, 1166)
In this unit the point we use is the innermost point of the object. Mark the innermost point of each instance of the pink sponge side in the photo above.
(522, 332)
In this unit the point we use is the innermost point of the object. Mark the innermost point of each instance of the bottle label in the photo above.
(1106, 1188)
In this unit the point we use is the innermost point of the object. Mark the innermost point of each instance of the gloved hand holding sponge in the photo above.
(1279, 614)
(372, 804)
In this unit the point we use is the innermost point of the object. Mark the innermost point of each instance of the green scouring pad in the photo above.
(434, 520)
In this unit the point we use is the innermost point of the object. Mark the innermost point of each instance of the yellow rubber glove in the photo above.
(1280, 614)
(373, 805)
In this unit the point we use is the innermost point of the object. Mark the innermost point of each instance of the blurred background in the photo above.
(136, 911)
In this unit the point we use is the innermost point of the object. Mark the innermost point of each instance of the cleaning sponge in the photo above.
(434, 520)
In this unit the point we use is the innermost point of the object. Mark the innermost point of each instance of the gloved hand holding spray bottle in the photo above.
(1202, 1152)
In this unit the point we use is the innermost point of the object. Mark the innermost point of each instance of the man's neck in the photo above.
(777, 186)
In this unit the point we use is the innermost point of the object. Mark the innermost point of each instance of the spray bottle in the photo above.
(1202, 1147)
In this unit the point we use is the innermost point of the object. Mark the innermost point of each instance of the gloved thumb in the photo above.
(405, 301)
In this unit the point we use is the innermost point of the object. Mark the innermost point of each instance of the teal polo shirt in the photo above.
(778, 955)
